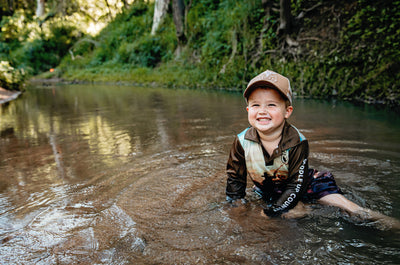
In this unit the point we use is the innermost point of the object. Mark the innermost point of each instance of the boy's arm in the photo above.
(297, 181)
(237, 172)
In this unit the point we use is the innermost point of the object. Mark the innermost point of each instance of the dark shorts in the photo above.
(322, 184)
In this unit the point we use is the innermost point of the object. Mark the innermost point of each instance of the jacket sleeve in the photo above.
(236, 171)
(297, 181)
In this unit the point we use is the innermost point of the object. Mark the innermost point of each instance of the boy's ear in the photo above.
(247, 108)
(289, 111)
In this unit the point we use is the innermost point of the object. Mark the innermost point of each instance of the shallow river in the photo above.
(132, 175)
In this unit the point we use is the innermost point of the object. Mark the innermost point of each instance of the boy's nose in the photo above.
(264, 109)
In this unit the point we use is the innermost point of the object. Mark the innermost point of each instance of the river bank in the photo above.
(8, 95)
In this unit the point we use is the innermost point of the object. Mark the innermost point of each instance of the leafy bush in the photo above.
(370, 52)
(147, 52)
(46, 51)
(10, 78)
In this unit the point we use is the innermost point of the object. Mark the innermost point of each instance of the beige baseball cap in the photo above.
(267, 79)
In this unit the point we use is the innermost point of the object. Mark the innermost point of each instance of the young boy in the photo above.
(274, 154)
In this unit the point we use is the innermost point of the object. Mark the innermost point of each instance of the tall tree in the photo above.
(40, 8)
(178, 11)
(160, 11)
(285, 25)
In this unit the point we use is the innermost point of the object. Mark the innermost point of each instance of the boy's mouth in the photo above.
(264, 121)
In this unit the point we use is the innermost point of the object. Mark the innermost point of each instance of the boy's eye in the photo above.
(271, 105)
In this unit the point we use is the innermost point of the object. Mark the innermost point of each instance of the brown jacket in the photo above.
(283, 192)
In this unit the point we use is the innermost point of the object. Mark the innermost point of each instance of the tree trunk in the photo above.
(285, 25)
(160, 10)
(178, 10)
(40, 8)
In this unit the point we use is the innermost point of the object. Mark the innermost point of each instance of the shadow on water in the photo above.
(123, 175)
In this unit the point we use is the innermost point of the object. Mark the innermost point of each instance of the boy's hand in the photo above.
(297, 212)
(263, 214)
(236, 202)
(271, 213)
(237, 207)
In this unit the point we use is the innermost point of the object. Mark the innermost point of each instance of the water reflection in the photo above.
(105, 174)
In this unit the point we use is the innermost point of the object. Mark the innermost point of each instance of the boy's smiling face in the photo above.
(267, 111)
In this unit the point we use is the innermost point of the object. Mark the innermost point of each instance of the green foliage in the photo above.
(32, 48)
(214, 31)
(14, 29)
(223, 37)
(146, 52)
(46, 52)
(127, 27)
(10, 78)
(127, 41)
(370, 52)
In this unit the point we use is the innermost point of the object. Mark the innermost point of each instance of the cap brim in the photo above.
(260, 83)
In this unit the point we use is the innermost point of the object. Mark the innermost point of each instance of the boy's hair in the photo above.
(270, 79)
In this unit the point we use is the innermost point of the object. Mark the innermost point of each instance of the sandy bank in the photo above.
(8, 95)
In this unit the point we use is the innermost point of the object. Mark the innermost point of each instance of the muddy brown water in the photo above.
(94, 174)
